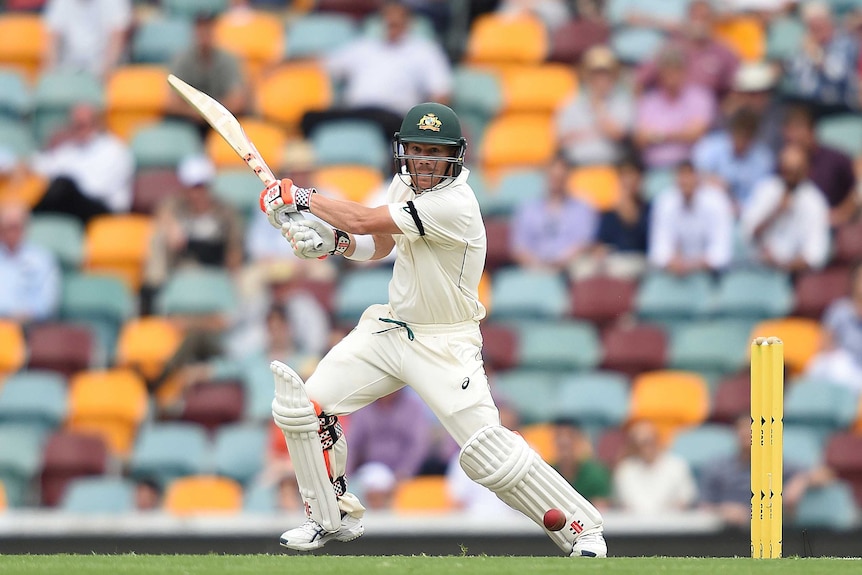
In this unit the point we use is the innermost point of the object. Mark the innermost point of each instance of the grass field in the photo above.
(402, 565)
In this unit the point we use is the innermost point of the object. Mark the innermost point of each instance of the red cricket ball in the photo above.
(554, 519)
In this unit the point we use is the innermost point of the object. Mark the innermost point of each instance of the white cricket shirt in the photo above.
(441, 253)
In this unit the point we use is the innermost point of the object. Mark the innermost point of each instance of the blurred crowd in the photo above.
(723, 135)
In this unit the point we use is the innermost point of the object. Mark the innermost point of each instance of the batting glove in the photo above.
(281, 198)
(313, 239)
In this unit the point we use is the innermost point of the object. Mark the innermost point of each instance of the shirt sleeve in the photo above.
(435, 73)
(661, 244)
(438, 216)
(761, 203)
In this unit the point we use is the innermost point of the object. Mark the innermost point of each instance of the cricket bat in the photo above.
(229, 128)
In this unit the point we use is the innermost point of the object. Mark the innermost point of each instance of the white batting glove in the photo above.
(312, 239)
(281, 198)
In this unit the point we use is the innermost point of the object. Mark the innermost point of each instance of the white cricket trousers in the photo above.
(442, 363)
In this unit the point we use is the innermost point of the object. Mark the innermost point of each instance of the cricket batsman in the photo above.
(426, 337)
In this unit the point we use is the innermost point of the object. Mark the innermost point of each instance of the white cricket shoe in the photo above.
(590, 544)
(311, 535)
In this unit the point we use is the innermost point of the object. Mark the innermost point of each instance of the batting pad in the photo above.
(294, 414)
(501, 460)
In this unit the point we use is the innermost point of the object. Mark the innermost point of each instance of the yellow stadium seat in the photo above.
(136, 95)
(536, 88)
(801, 337)
(291, 90)
(119, 245)
(672, 400)
(203, 495)
(3, 503)
(257, 38)
(599, 186)
(485, 292)
(540, 436)
(857, 426)
(146, 343)
(499, 39)
(23, 43)
(354, 183)
(111, 403)
(13, 347)
(27, 189)
(426, 494)
(517, 141)
(744, 35)
(268, 138)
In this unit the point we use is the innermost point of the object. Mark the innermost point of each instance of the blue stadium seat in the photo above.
(553, 345)
(524, 294)
(33, 398)
(239, 188)
(166, 451)
(20, 459)
(784, 38)
(657, 181)
(476, 97)
(532, 393)
(597, 399)
(616, 11)
(360, 289)
(754, 294)
(197, 292)
(420, 27)
(821, 406)
(843, 132)
(15, 99)
(258, 386)
(828, 507)
(102, 302)
(663, 296)
(710, 345)
(515, 188)
(60, 234)
(636, 45)
(705, 444)
(260, 499)
(354, 142)
(55, 93)
(16, 137)
(164, 144)
(315, 34)
(240, 450)
(99, 496)
(160, 40)
(802, 448)
(191, 8)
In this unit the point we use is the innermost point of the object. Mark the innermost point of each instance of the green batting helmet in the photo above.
(430, 123)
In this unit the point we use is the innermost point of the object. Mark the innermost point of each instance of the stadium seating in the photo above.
(673, 400)
(533, 393)
(279, 101)
(151, 187)
(213, 404)
(848, 244)
(359, 290)
(34, 398)
(164, 144)
(54, 95)
(610, 447)
(599, 186)
(255, 37)
(500, 347)
(656, 181)
(516, 187)
(420, 26)
(16, 137)
(23, 42)
(203, 495)
(703, 445)
(514, 141)
(315, 34)
(66, 457)
(496, 40)
(634, 349)
(635, 45)
(357, 9)
(99, 495)
(350, 142)
(558, 345)
(3, 502)
(13, 347)
(145, 345)
(268, 138)
(135, 95)
(197, 292)
(571, 39)
(15, 97)
(524, 294)
(354, 183)
(828, 507)
(19, 460)
(499, 250)
(60, 234)
(477, 97)
(844, 456)
(784, 38)
(111, 403)
(518, 84)
(802, 448)
(801, 339)
(714, 345)
(663, 296)
(159, 40)
(540, 436)
(239, 188)
(754, 294)
(732, 398)
(239, 451)
(744, 35)
(61, 347)
(817, 289)
(426, 494)
(257, 379)
(602, 300)
(260, 498)
(843, 132)
(166, 451)
(821, 406)
(125, 259)
(596, 399)
(191, 8)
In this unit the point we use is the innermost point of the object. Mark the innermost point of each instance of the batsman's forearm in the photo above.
(352, 217)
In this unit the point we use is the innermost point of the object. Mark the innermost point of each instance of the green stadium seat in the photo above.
(239, 188)
(532, 393)
(354, 142)
(360, 289)
(636, 45)
(15, 99)
(821, 406)
(197, 292)
(34, 398)
(16, 137)
(712, 345)
(164, 144)
(616, 11)
(843, 132)
(567, 345)
(702, 445)
(102, 302)
(55, 93)
(165, 451)
(60, 234)
(784, 38)
(191, 8)
(754, 294)
(240, 451)
(160, 40)
(524, 294)
(20, 459)
(99, 496)
(420, 27)
(315, 34)
(596, 399)
(260, 499)
(802, 448)
(657, 181)
(828, 507)
(476, 91)
(258, 382)
(663, 296)
(515, 187)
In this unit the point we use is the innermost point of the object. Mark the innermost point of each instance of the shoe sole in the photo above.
(343, 538)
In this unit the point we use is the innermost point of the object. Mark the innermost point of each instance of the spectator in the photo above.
(733, 159)
(193, 228)
(385, 77)
(376, 484)
(575, 462)
(709, 62)
(552, 232)
(90, 170)
(621, 242)
(210, 69)
(593, 125)
(29, 275)
(148, 495)
(650, 480)
(691, 226)
(394, 431)
(830, 170)
(753, 90)
(824, 72)
(672, 116)
(725, 486)
(87, 35)
(787, 219)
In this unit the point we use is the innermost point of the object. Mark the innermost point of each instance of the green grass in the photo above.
(401, 565)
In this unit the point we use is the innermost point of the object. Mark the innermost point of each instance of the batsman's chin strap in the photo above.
(398, 325)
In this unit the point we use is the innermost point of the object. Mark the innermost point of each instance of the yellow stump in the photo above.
(767, 440)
